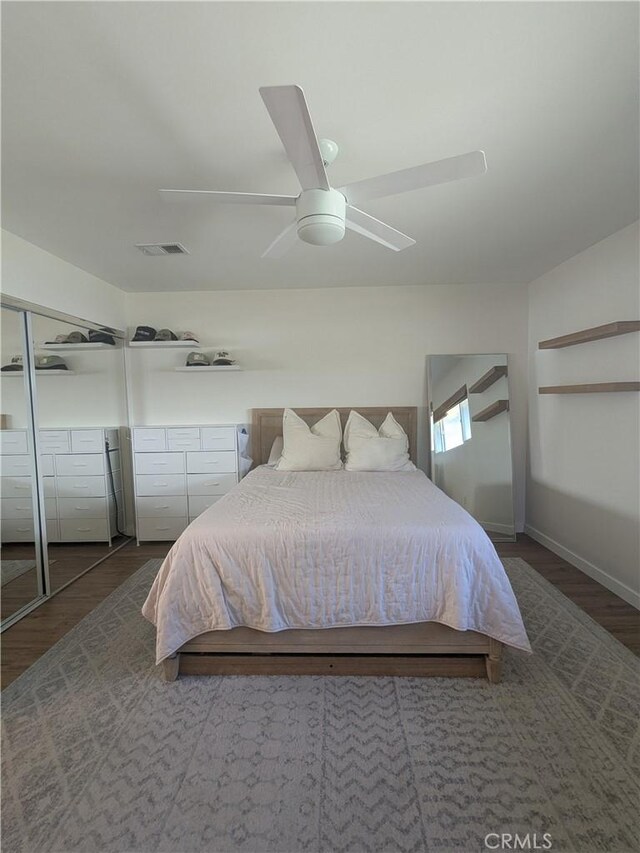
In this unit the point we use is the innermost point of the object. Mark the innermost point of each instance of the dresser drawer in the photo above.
(183, 443)
(20, 487)
(160, 529)
(83, 487)
(159, 463)
(218, 438)
(20, 466)
(87, 441)
(14, 530)
(149, 439)
(162, 507)
(203, 462)
(160, 484)
(198, 504)
(13, 441)
(54, 441)
(83, 529)
(16, 466)
(17, 508)
(82, 507)
(76, 464)
(210, 484)
(23, 508)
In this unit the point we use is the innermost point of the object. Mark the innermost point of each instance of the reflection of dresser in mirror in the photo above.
(82, 484)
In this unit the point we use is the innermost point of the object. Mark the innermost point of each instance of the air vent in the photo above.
(162, 248)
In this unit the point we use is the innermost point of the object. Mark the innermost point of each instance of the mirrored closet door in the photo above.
(21, 558)
(80, 385)
(76, 394)
(471, 437)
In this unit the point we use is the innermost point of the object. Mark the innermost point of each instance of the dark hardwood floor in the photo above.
(24, 642)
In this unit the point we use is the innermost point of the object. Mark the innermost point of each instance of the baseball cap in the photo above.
(102, 336)
(14, 364)
(166, 335)
(76, 338)
(188, 336)
(50, 362)
(222, 357)
(197, 359)
(144, 333)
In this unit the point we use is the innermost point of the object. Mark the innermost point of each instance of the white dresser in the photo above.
(80, 502)
(179, 472)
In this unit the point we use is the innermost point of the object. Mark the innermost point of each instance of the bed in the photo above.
(333, 572)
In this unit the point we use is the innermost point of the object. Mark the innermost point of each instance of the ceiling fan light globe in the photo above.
(321, 230)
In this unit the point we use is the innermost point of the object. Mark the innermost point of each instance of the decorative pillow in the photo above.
(370, 449)
(276, 451)
(315, 448)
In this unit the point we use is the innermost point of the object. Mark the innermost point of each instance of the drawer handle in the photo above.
(81, 487)
(161, 506)
(80, 465)
(23, 529)
(212, 484)
(21, 465)
(149, 439)
(162, 485)
(82, 508)
(21, 486)
(83, 529)
(159, 463)
(162, 528)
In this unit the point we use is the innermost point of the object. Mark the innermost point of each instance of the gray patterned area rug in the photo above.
(101, 755)
(12, 569)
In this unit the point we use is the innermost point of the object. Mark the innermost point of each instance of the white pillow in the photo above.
(276, 451)
(315, 448)
(369, 449)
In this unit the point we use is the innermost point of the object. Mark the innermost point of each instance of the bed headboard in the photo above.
(266, 424)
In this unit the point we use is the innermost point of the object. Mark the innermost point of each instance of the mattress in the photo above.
(332, 549)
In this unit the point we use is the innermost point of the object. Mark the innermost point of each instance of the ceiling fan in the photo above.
(322, 213)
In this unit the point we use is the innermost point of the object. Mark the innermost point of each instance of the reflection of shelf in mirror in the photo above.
(165, 344)
(221, 368)
(492, 375)
(592, 388)
(597, 333)
(71, 347)
(42, 373)
(491, 411)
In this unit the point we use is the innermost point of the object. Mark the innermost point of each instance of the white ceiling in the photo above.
(103, 103)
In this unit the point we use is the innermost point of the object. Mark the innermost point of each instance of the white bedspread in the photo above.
(326, 549)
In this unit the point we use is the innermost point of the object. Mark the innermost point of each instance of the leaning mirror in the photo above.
(471, 437)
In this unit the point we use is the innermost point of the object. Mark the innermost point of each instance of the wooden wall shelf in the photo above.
(492, 375)
(491, 411)
(592, 388)
(597, 333)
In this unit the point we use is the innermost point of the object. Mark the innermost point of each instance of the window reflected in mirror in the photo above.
(471, 437)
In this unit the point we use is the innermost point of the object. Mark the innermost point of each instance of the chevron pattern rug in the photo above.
(101, 755)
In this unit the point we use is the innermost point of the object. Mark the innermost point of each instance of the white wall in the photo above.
(583, 488)
(341, 346)
(34, 275)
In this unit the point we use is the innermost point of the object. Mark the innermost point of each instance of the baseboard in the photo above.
(621, 589)
(497, 527)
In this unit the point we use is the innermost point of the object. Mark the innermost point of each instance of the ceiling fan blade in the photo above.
(368, 226)
(229, 198)
(283, 242)
(427, 175)
(289, 113)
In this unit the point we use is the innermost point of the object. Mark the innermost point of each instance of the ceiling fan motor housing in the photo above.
(320, 215)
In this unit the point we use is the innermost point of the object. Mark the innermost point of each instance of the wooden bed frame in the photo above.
(421, 649)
